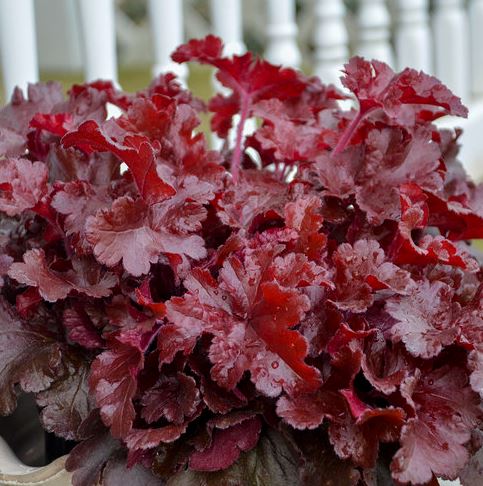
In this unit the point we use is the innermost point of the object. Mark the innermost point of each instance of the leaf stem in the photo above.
(348, 133)
(237, 151)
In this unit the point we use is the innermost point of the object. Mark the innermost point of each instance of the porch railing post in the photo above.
(18, 44)
(98, 39)
(413, 35)
(330, 39)
(282, 31)
(166, 17)
(374, 31)
(451, 43)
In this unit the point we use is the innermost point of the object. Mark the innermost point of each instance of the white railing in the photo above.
(446, 41)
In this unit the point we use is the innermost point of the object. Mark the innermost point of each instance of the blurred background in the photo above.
(59, 38)
(129, 41)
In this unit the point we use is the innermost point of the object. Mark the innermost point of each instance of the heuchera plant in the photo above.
(299, 307)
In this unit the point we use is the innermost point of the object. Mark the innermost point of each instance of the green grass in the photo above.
(135, 79)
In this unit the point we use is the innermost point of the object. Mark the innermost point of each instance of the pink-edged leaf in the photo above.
(144, 439)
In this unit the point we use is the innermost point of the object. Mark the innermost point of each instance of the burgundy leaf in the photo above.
(66, 404)
(80, 328)
(113, 382)
(226, 446)
(174, 398)
(88, 459)
(29, 356)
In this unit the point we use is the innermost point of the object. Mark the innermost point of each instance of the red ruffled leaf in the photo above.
(22, 185)
(424, 319)
(127, 232)
(84, 278)
(135, 151)
(250, 321)
(406, 98)
(251, 80)
(433, 442)
(113, 382)
(362, 270)
(430, 249)
(80, 328)
(16, 116)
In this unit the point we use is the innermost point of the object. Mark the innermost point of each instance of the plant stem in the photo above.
(348, 132)
(236, 159)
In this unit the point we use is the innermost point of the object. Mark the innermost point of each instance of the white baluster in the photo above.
(98, 39)
(168, 33)
(330, 39)
(227, 19)
(18, 44)
(451, 45)
(226, 16)
(413, 35)
(282, 33)
(476, 28)
(374, 31)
